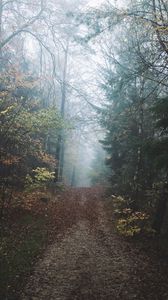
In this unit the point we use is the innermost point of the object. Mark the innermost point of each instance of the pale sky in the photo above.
(119, 3)
(95, 2)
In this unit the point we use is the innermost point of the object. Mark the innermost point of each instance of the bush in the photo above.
(134, 223)
(129, 222)
(40, 179)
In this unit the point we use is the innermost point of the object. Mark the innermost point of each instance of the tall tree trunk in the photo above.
(73, 179)
(61, 138)
(1, 12)
(160, 213)
(138, 177)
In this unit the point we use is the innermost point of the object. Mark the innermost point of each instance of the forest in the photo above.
(83, 149)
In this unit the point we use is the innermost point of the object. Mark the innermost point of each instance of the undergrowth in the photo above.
(129, 222)
(29, 226)
(22, 242)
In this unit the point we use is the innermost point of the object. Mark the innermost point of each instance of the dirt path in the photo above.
(90, 262)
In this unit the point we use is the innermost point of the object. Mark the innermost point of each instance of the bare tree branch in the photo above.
(23, 27)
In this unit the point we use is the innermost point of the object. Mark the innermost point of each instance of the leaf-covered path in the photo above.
(89, 261)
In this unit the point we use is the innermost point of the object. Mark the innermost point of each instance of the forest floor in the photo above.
(88, 260)
(66, 248)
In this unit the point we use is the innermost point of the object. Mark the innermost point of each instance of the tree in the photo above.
(134, 78)
(25, 124)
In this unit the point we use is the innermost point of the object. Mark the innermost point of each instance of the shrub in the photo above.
(40, 179)
(129, 222)
(133, 223)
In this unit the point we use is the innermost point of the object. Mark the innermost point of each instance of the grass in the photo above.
(19, 249)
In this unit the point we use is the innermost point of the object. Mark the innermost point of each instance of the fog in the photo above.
(72, 50)
(84, 103)
(81, 84)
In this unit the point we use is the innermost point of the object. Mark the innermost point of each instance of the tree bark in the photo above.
(61, 138)
(1, 12)
(160, 213)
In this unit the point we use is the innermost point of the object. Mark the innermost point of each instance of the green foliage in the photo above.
(135, 115)
(119, 204)
(29, 131)
(41, 121)
(133, 223)
(41, 177)
(129, 222)
(160, 110)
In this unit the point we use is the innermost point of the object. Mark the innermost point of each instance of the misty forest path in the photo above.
(89, 261)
